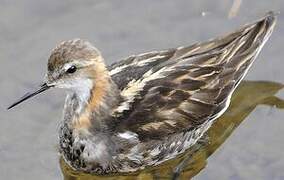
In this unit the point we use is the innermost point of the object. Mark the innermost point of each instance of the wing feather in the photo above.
(180, 89)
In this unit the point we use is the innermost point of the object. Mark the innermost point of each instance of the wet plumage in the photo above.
(147, 108)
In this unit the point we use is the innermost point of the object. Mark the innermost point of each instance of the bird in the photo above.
(147, 108)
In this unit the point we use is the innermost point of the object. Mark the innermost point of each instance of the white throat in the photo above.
(82, 89)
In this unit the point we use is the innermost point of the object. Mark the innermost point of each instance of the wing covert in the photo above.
(177, 90)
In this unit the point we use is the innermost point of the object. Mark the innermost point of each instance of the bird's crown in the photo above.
(72, 50)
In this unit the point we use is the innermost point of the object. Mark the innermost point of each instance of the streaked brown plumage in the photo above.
(147, 108)
(205, 76)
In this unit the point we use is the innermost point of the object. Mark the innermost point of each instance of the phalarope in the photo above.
(147, 108)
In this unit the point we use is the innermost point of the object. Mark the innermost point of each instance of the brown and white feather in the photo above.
(179, 89)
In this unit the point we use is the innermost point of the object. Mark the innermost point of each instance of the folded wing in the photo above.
(179, 89)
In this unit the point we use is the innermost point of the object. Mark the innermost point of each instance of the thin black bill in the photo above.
(28, 95)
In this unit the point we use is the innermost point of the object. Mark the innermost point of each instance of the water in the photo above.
(246, 143)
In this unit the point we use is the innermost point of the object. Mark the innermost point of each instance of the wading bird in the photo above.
(147, 108)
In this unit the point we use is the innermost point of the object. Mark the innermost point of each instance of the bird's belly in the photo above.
(137, 157)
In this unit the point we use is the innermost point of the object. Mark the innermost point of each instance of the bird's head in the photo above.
(75, 65)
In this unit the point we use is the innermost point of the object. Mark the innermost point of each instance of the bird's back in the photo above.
(179, 89)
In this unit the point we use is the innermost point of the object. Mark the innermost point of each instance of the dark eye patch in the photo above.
(72, 69)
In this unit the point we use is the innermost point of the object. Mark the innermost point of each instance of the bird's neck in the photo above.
(93, 105)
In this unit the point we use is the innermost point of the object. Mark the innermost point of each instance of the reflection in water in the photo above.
(248, 95)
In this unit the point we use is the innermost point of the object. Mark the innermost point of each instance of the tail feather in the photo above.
(252, 42)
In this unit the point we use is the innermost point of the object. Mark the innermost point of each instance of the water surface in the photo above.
(246, 143)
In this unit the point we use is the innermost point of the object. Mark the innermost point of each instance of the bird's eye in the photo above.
(71, 70)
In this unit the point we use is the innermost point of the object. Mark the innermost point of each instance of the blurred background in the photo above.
(30, 29)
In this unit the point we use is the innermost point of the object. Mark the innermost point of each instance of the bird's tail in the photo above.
(250, 43)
